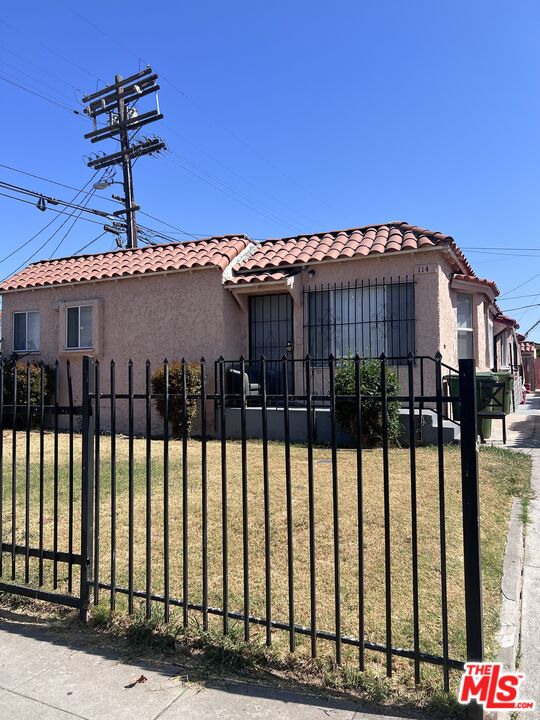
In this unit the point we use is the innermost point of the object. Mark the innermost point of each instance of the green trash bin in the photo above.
(453, 389)
(483, 380)
(508, 379)
(484, 383)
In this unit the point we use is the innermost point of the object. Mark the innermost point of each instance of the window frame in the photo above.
(490, 331)
(78, 307)
(26, 349)
(505, 357)
(469, 330)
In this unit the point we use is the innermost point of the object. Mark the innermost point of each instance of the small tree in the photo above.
(22, 388)
(176, 384)
(370, 384)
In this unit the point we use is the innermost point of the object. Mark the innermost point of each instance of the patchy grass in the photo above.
(503, 474)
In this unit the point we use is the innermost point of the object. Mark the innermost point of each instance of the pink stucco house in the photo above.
(393, 288)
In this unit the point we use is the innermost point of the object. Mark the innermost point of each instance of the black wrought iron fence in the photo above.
(297, 538)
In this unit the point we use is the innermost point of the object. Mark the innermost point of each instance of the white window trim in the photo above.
(26, 349)
(466, 329)
(505, 348)
(79, 346)
(490, 330)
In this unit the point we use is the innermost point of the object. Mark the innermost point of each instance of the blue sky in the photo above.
(290, 117)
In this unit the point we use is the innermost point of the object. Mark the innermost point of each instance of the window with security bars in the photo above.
(366, 318)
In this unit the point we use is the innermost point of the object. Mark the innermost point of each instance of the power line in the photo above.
(208, 113)
(50, 209)
(518, 297)
(104, 197)
(230, 194)
(235, 172)
(90, 243)
(513, 253)
(40, 68)
(55, 201)
(27, 242)
(526, 282)
(53, 182)
(184, 232)
(523, 307)
(54, 52)
(496, 247)
(46, 226)
(33, 79)
(269, 214)
(60, 242)
(95, 222)
(47, 241)
(43, 97)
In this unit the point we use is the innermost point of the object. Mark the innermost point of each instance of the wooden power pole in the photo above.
(118, 101)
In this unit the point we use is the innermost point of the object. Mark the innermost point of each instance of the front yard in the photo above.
(503, 474)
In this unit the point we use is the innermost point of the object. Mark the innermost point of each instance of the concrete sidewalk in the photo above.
(524, 434)
(53, 675)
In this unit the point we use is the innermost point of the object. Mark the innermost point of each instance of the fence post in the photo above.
(87, 486)
(471, 520)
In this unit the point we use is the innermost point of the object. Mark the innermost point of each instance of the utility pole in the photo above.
(118, 102)
(126, 166)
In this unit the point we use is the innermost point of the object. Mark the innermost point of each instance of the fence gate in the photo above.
(46, 484)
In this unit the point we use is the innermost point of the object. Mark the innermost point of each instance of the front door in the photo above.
(271, 335)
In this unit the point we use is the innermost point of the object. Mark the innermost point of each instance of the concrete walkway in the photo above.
(524, 434)
(54, 675)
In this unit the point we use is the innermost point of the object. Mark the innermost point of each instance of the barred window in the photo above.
(367, 318)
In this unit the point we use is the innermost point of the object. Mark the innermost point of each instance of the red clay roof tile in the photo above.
(480, 281)
(528, 347)
(362, 241)
(213, 252)
(218, 252)
(257, 278)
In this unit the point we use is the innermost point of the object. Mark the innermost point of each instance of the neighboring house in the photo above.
(531, 376)
(507, 353)
(392, 288)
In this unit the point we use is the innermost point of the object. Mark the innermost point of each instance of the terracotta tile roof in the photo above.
(213, 252)
(480, 281)
(527, 347)
(257, 278)
(370, 240)
(506, 320)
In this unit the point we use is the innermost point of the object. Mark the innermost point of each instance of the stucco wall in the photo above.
(190, 314)
(401, 266)
(186, 314)
(448, 318)
(435, 305)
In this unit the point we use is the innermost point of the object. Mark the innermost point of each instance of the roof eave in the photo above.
(138, 276)
(318, 263)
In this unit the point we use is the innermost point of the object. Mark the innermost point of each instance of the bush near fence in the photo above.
(33, 369)
(176, 390)
(370, 384)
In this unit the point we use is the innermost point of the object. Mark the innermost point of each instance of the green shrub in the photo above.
(193, 386)
(370, 384)
(35, 389)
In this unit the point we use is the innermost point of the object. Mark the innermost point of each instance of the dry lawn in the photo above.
(503, 475)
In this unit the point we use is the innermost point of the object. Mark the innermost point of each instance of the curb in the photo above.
(508, 637)
(510, 614)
